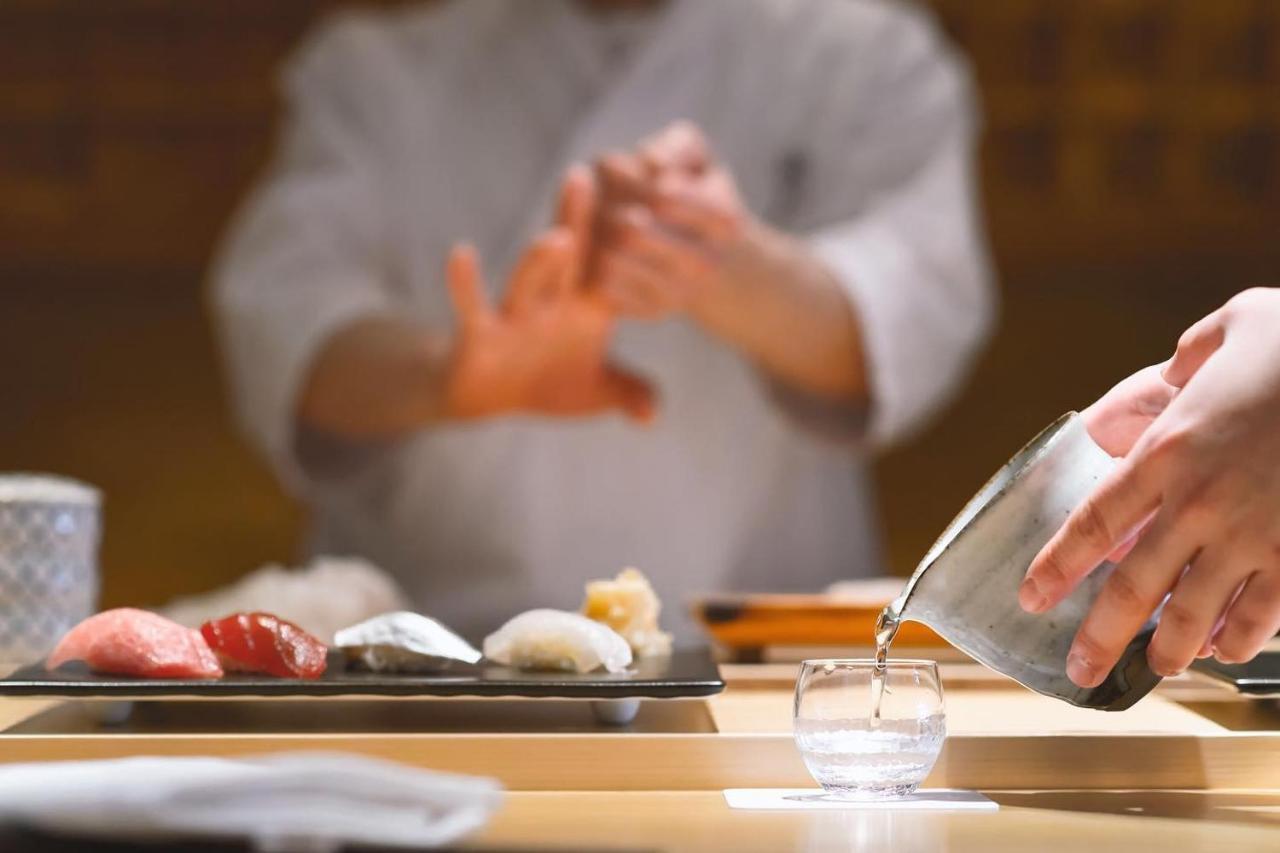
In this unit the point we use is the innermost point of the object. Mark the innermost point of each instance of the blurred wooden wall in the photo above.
(1132, 178)
(1131, 172)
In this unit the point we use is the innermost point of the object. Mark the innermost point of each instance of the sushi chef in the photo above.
(499, 374)
(1193, 511)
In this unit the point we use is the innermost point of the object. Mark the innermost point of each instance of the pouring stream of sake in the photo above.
(886, 629)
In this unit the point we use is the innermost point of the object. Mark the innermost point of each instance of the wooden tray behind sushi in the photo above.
(686, 673)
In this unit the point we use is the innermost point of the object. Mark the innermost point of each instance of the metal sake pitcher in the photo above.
(966, 588)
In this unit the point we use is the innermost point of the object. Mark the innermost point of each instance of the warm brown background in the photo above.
(1132, 175)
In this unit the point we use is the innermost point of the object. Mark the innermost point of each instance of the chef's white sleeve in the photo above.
(896, 220)
(306, 254)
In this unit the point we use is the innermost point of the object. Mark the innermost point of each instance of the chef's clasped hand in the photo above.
(676, 237)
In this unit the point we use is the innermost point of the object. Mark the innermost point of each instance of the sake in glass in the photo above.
(856, 750)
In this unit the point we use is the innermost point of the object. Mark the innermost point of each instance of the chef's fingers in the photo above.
(623, 179)
(632, 394)
(573, 209)
(576, 214)
(687, 209)
(1128, 598)
(563, 276)
(1194, 348)
(540, 273)
(1188, 618)
(466, 285)
(1252, 620)
(634, 232)
(679, 145)
(1121, 502)
(633, 288)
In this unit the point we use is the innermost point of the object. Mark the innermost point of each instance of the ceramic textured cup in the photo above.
(49, 531)
(966, 589)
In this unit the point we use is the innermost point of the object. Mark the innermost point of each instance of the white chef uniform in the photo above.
(846, 121)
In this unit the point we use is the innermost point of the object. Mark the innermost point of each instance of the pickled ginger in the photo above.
(628, 605)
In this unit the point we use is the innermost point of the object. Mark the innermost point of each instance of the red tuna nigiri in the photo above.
(126, 641)
(261, 642)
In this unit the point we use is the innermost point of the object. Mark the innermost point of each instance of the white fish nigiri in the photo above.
(404, 642)
(557, 640)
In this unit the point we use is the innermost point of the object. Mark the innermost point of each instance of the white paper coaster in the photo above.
(941, 799)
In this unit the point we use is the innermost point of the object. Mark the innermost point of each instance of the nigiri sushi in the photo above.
(404, 642)
(127, 641)
(557, 640)
(261, 642)
(628, 605)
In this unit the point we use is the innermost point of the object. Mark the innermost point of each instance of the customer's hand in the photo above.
(544, 350)
(1199, 490)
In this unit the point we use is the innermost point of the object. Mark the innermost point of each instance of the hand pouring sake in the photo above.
(966, 588)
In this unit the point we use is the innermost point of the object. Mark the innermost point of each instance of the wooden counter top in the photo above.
(1191, 767)
(700, 821)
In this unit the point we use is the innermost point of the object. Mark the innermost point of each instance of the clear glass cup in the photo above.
(49, 530)
(850, 752)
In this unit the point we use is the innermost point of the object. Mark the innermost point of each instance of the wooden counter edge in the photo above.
(545, 762)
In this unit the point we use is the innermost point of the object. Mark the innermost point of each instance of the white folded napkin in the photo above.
(284, 802)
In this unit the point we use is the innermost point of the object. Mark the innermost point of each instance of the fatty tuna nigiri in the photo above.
(261, 642)
(126, 641)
